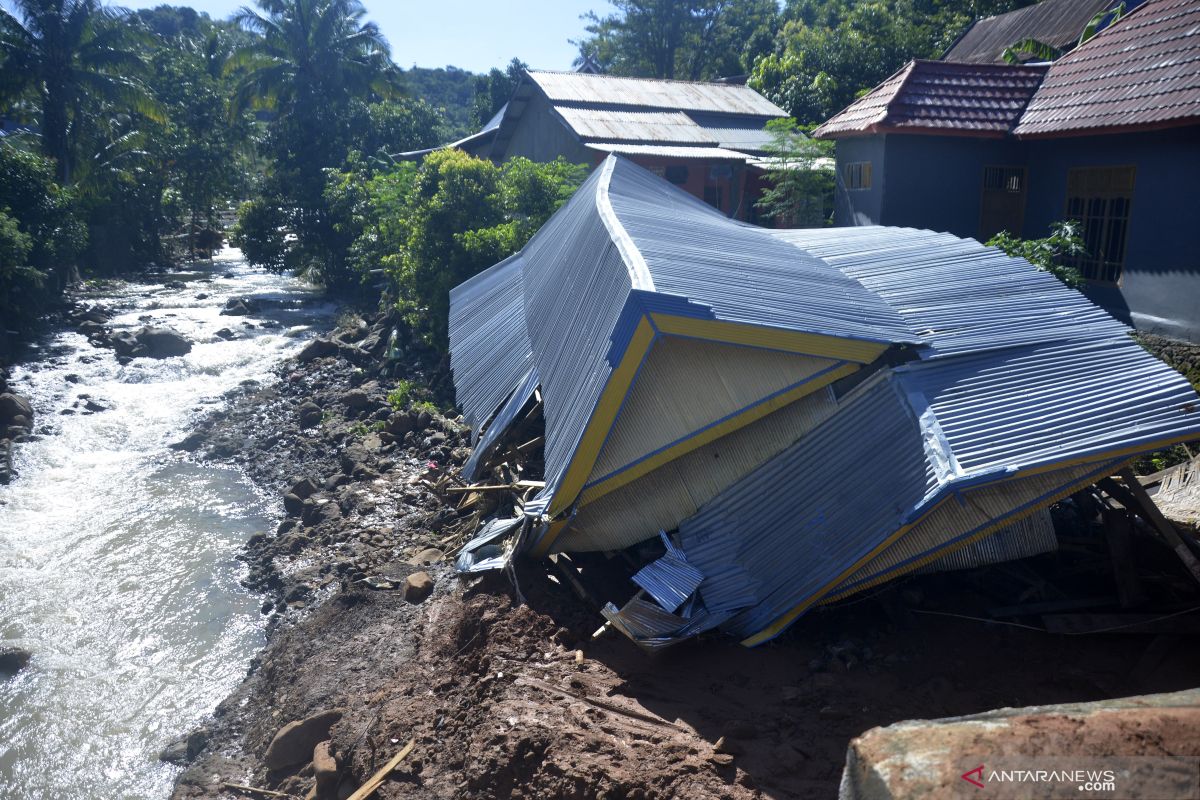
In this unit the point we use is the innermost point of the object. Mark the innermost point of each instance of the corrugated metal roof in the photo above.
(663, 127)
(986, 381)
(1142, 72)
(586, 88)
(959, 295)
(937, 97)
(670, 151)
(1056, 22)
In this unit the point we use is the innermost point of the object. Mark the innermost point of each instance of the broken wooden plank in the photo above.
(376, 780)
(1136, 498)
(500, 487)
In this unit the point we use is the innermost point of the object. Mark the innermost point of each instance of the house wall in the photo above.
(1159, 289)
(852, 207)
(540, 135)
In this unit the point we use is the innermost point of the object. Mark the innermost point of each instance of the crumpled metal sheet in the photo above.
(670, 580)
(486, 552)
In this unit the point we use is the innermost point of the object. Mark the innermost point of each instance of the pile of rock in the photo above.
(16, 423)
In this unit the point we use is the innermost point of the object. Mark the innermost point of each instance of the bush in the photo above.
(1047, 254)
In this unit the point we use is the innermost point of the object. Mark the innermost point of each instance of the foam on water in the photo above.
(118, 561)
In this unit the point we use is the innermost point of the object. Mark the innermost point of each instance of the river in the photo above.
(118, 565)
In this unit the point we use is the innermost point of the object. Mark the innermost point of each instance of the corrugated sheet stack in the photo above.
(804, 413)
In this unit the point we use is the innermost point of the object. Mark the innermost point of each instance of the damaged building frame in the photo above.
(799, 415)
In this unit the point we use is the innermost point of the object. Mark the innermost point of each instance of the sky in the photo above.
(475, 35)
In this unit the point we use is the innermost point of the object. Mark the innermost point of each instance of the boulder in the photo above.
(189, 443)
(318, 348)
(417, 587)
(162, 342)
(293, 504)
(89, 328)
(304, 488)
(325, 769)
(295, 742)
(400, 423)
(309, 414)
(356, 400)
(13, 406)
(240, 307)
(13, 660)
(225, 334)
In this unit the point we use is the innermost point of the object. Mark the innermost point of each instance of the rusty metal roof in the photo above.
(1056, 22)
(1141, 73)
(591, 89)
(940, 97)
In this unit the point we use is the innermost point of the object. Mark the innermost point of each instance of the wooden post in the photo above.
(1134, 497)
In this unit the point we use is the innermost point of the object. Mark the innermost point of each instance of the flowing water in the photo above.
(118, 564)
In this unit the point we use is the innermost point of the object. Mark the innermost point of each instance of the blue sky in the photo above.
(472, 34)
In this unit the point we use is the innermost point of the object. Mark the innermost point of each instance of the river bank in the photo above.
(497, 679)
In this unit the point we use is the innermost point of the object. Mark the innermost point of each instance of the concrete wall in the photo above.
(936, 182)
(853, 207)
(1159, 289)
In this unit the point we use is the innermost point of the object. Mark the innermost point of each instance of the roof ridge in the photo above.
(640, 78)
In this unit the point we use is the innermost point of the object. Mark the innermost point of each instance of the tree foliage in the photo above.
(429, 227)
(688, 40)
(800, 177)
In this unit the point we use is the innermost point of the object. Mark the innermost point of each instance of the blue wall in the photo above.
(935, 182)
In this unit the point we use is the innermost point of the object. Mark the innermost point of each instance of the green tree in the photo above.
(70, 55)
(432, 226)
(309, 62)
(801, 178)
(693, 40)
(493, 90)
(1051, 254)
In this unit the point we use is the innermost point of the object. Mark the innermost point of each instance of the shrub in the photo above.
(1047, 254)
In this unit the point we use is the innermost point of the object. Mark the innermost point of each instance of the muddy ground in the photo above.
(498, 679)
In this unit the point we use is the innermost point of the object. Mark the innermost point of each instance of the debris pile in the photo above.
(799, 415)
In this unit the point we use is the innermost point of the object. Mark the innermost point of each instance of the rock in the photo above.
(13, 406)
(226, 334)
(174, 285)
(430, 555)
(356, 400)
(309, 414)
(239, 307)
(186, 748)
(89, 328)
(399, 423)
(189, 443)
(295, 742)
(317, 348)
(72, 378)
(151, 342)
(93, 407)
(325, 769)
(13, 660)
(303, 488)
(293, 504)
(417, 587)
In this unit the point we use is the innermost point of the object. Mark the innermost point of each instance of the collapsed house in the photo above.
(798, 414)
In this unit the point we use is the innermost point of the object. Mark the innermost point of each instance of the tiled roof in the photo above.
(1056, 22)
(1143, 72)
(940, 97)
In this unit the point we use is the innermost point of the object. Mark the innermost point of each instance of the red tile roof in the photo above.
(940, 97)
(1141, 73)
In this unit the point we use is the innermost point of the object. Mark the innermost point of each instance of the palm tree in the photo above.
(309, 53)
(70, 55)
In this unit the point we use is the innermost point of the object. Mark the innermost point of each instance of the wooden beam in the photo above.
(1134, 497)
(1118, 531)
(368, 788)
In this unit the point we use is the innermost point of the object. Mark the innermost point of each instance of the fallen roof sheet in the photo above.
(1058, 23)
(750, 384)
(940, 97)
(1143, 72)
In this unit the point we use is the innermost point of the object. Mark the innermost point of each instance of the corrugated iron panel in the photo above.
(1143, 69)
(670, 580)
(1056, 22)
(485, 552)
(500, 424)
(959, 295)
(1030, 536)
(669, 151)
(489, 347)
(589, 89)
(607, 125)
